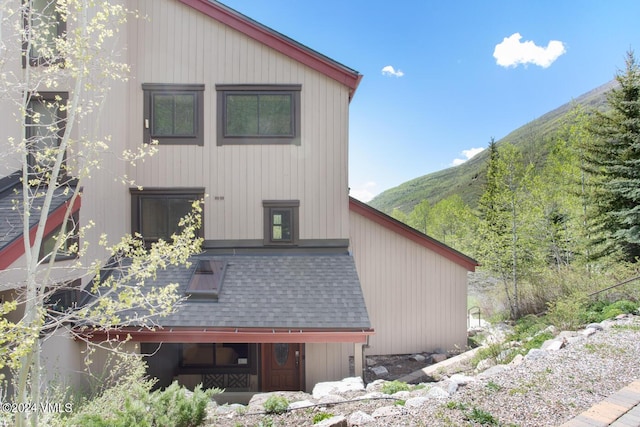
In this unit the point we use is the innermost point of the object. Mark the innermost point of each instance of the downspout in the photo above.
(364, 360)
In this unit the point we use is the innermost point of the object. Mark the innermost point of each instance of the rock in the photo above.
(371, 362)
(535, 353)
(438, 357)
(337, 387)
(417, 358)
(553, 344)
(300, 404)
(375, 385)
(596, 326)
(416, 402)
(494, 370)
(517, 360)
(230, 410)
(588, 332)
(452, 388)
(485, 364)
(360, 418)
(387, 411)
(437, 393)
(372, 395)
(380, 371)
(402, 395)
(337, 421)
(461, 379)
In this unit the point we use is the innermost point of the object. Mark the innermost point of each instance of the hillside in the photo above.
(467, 179)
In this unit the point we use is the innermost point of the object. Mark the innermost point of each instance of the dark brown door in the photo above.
(282, 367)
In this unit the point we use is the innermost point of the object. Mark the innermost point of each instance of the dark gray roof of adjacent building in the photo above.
(11, 213)
(306, 291)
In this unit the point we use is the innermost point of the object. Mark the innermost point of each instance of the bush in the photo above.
(395, 386)
(276, 405)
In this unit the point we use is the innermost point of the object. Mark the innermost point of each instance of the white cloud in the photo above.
(390, 71)
(512, 52)
(467, 155)
(364, 192)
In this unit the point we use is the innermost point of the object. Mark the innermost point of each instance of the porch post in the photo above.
(357, 359)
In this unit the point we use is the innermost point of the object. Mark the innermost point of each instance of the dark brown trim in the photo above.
(151, 89)
(250, 244)
(279, 42)
(231, 335)
(412, 234)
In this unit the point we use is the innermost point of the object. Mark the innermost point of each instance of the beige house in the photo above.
(296, 278)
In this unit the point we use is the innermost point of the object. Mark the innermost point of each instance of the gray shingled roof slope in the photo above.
(11, 215)
(275, 291)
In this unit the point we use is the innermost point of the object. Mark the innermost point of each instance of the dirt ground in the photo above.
(398, 366)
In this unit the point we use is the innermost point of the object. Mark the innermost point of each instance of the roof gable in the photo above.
(412, 234)
(278, 42)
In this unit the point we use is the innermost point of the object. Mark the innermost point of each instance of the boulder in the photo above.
(494, 370)
(437, 393)
(387, 411)
(417, 358)
(360, 418)
(380, 371)
(331, 399)
(337, 387)
(588, 332)
(535, 353)
(375, 385)
(416, 402)
(300, 404)
(337, 421)
(438, 357)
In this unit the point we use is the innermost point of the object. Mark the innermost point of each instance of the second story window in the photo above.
(69, 248)
(280, 222)
(44, 26)
(174, 113)
(157, 212)
(45, 119)
(254, 114)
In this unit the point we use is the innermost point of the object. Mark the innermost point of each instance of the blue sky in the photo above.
(443, 77)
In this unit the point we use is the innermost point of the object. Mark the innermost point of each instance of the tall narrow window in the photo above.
(45, 26)
(69, 247)
(45, 124)
(250, 114)
(173, 114)
(280, 222)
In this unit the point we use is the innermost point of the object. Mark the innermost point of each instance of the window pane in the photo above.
(162, 115)
(281, 225)
(153, 217)
(43, 133)
(177, 208)
(275, 115)
(185, 112)
(44, 25)
(242, 115)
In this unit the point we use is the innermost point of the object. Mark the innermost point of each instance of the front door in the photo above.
(282, 367)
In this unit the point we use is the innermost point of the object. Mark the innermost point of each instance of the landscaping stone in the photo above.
(437, 393)
(300, 404)
(589, 331)
(387, 411)
(380, 371)
(417, 358)
(360, 418)
(331, 398)
(416, 402)
(439, 357)
(337, 421)
(337, 387)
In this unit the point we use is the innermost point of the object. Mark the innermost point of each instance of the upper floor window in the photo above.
(174, 113)
(44, 26)
(156, 213)
(281, 222)
(45, 119)
(254, 114)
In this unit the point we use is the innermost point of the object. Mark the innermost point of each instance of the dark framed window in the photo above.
(44, 25)
(45, 119)
(209, 356)
(69, 248)
(258, 114)
(281, 222)
(63, 297)
(174, 113)
(155, 213)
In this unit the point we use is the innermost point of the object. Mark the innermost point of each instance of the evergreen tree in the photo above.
(615, 159)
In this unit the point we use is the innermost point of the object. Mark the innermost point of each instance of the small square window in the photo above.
(69, 248)
(281, 222)
(174, 114)
(251, 114)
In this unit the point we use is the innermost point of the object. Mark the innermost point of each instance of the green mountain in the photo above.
(467, 179)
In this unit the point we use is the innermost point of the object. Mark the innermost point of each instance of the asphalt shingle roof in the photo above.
(274, 291)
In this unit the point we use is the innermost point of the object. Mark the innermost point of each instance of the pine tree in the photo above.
(615, 159)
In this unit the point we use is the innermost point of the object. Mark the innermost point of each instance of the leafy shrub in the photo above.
(567, 313)
(276, 405)
(320, 416)
(395, 386)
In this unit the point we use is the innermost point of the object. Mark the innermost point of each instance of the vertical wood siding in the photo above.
(177, 44)
(326, 362)
(416, 299)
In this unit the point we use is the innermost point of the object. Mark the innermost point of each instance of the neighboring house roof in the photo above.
(269, 298)
(412, 234)
(11, 217)
(279, 42)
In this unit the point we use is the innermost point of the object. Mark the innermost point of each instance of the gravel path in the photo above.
(544, 391)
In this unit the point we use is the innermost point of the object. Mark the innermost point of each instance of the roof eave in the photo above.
(278, 42)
